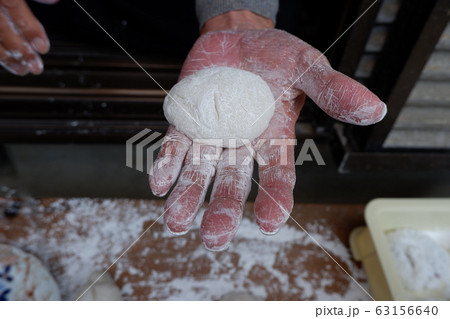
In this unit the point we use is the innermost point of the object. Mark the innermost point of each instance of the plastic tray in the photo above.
(384, 215)
(363, 250)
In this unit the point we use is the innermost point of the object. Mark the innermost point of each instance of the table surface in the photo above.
(75, 237)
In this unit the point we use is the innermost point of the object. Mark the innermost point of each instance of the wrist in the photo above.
(237, 20)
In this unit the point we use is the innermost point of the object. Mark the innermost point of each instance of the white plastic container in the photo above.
(385, 215)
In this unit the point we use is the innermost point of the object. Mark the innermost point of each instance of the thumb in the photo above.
(335, 93)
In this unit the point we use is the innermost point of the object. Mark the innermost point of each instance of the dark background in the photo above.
(170, 28)
(62, 145)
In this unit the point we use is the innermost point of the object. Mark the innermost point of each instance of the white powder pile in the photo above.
(285, 264)
(423, 264)
(87, 235)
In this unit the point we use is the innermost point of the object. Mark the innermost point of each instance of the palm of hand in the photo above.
(291, 68)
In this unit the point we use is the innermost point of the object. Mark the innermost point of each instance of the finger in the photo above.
(167, 166)
(20, 57)
(189, 193)
(335, 93)
(276, 168)
(24, 20)
(11, 64)
(231, 187)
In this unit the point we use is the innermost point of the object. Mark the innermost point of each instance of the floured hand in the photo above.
(22, 38)
(292, 68)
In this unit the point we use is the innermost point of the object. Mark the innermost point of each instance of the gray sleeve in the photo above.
(206, 9)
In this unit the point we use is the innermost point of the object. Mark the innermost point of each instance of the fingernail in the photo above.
(17, 68)
(271, 232)
(36, 66)
(158, 187)
(157, 191)
(213, 248)
(40, 45)
(384, 112)
(270, 228)
(177, 232)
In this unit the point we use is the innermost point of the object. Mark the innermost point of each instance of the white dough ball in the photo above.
(220, 103)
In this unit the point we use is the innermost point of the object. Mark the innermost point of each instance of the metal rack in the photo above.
(409, 44)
